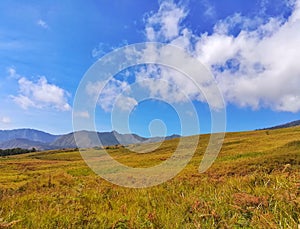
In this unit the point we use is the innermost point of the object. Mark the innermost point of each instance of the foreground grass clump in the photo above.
(254, 183)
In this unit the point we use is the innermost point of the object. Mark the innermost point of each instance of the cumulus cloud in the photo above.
(166, 83)
(40, 94)
(254, 60)
(256, 66)
(42, 24)
(165, 24)
(110, 94)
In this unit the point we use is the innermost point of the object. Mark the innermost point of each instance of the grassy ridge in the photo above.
(254, 183)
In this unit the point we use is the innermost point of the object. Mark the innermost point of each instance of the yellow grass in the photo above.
(254, 183)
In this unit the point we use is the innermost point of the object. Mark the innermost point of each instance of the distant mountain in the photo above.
(286, 125)
(24, 144)
(30, 134)
(29, 138)
(87, 139)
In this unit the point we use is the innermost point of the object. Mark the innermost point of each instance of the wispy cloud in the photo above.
(40, 94)
(264, 55)
(12, 73)
(104, 48)
(82, 114)
(42, 24)
(210, 10)
(5, 120)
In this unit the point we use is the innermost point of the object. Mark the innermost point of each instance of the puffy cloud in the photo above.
(165, 24)
(125, 103)
(41, 94)
(266, 71)
(254, 60)
(112, 93)
(166, 83)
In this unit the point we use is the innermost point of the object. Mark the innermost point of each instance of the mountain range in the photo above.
(30, 138)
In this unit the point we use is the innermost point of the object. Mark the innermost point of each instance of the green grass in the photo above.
(254, 183)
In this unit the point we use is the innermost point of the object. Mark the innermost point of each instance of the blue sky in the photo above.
(251, 48)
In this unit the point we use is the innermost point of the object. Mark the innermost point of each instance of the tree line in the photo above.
(15, 151)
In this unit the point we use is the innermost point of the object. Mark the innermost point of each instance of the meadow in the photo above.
(254, 183)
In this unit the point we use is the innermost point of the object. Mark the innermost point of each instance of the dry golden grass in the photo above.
(254, 183)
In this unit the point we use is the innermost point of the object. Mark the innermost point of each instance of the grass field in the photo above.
(254, 183)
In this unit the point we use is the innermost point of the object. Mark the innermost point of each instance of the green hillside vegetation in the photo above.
(254, 183)
(15, 151)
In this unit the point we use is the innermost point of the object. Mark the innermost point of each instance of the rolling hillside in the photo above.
(286, 125)
(254, 183)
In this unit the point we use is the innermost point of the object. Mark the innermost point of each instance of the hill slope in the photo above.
(286, 125)
(254, 183)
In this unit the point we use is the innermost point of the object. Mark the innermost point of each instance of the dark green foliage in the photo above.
(15, 151)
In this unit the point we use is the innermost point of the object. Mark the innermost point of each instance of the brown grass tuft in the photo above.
(248, 200)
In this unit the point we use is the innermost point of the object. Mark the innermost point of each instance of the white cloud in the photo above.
(12, 73)
(165, 24)
(93, 89)
(125, 103)
(42, 24)
(254, 61)
(210, 10)
(101, 50)
(111, 94)
(166, 83)
(258, 67)
(5, 120)
(268, 73)
(173, 86)
(24, 101)
(41, 94)
(82, 114)
(104, 48)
